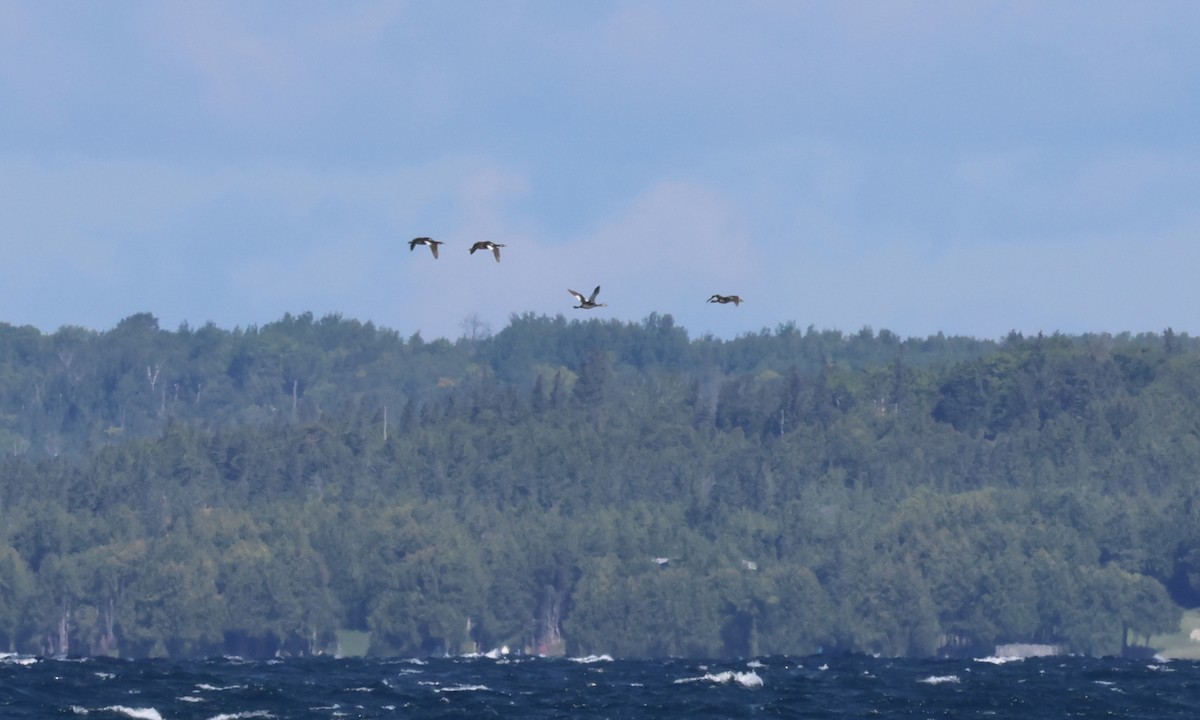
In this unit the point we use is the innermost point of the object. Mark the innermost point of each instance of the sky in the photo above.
(965, 167)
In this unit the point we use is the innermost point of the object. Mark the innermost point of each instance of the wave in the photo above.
(851, 687)
(139, 713)
(493, 654)
(592, 659)
(745, 679)
(15, 659)
(999, 659)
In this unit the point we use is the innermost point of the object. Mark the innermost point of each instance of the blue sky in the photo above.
(964, 167)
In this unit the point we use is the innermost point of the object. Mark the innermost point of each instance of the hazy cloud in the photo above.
(921, 166)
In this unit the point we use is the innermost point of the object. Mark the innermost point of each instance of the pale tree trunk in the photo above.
(64, 621)
(108, 641)
(548, 638)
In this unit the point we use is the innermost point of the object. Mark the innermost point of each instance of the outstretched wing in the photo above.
(578, 296)
(594, 294)
(496, 251)
(412, 244)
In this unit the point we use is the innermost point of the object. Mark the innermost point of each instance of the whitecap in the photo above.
(398, 661)
(493, 654)
(939, 679)
(206, 686)
(242, 715)
(462, 688)
(745, 679)
(748, 679)
(139, 713)
(999, 659)
(592, 659)
(755, 664)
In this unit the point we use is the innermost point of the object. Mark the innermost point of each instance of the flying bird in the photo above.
(488, 245)
(589, 302)
(433, 244)
(735, 299)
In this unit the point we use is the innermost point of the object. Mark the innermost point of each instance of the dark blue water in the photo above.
(813, 687)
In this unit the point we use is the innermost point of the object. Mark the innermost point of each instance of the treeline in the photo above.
(592, 487)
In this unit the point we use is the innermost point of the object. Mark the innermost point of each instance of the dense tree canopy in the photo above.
(592, 486)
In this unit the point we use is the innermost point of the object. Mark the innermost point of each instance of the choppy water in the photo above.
(812, 687)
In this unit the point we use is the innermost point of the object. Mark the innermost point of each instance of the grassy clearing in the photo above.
(1179, 645)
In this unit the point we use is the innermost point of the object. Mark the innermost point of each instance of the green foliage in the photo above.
(594, 487)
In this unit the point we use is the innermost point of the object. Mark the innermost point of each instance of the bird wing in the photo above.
(578, 295)
(433, 247)
(496, 251)
(594, 294)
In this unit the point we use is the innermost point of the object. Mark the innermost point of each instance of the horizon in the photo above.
(488, 332)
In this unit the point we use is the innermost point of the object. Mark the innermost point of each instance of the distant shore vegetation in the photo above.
(592, 487)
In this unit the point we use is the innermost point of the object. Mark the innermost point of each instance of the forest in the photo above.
(594, 486)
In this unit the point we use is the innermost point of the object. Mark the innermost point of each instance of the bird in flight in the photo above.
(433, 244)
(587, 303)
(488, 245)
(735, 299)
